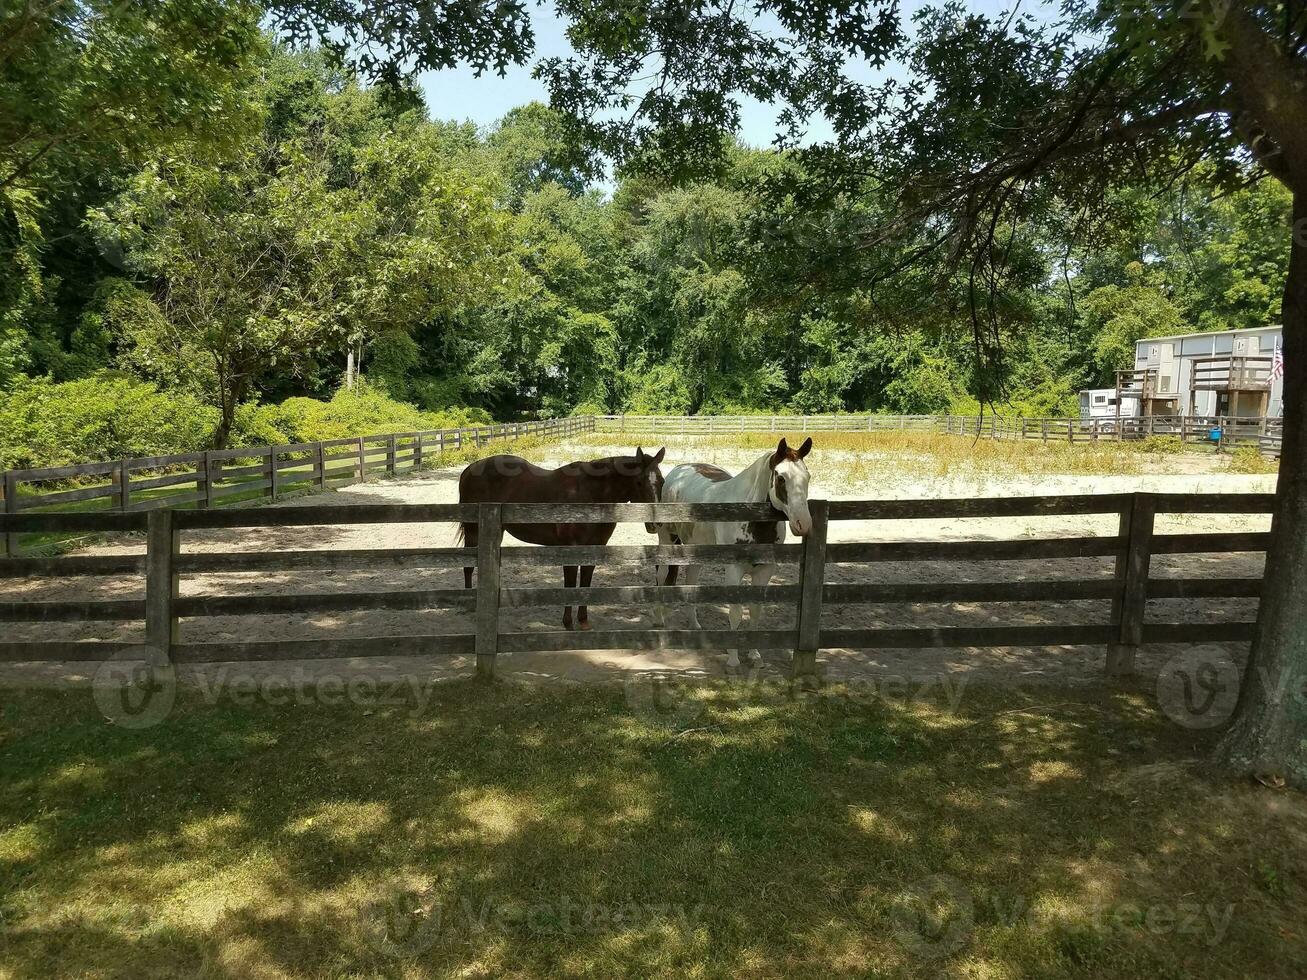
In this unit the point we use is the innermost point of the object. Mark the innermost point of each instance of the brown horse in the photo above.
(513, 480)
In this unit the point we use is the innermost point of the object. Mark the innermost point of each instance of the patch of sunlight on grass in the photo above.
(214, 831)
(81, 776)
(23, 842)
(245, 884)
(493, 815)
(1052, 770)
(346, 822)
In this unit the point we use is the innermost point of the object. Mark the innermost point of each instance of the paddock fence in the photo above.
(174, 623)
(223, 476)
(1264, 433)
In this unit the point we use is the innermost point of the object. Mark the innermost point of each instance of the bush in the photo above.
(1159, 445)
(364, 411)
(102, 417)
(259, 425)
(1247, 459)
(588, 408)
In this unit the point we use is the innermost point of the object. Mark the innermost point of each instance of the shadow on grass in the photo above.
(497, 830)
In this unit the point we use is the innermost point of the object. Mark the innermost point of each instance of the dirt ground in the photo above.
(1023, 666)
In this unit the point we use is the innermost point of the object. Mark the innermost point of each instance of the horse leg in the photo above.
(582, 612)
(469, 541)
(692, 578)
(663, 575)
(734, 576)
(762, 575)
(569, 582)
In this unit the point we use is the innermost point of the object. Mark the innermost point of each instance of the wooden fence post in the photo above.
(271, 470)
(489, 533)
(363, 461)
(162, 540)
(320, 455)
(122, 477)
(812, 579)
(417, 452)
(11, 507)
(211, 478)
(390, 455)
(1131, 600)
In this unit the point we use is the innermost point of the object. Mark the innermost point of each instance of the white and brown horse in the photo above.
(779, 476)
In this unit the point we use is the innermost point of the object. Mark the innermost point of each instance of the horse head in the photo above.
(788, 491)
(648, 481)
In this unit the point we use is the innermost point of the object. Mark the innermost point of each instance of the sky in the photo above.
(457, 94)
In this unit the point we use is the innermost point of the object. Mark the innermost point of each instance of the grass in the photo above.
(869, 456)
(1246, 459)
(500, 831)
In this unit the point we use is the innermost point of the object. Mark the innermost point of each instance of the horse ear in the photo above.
(658, 456)
(778, 457)
(639, 455)
(806, 447)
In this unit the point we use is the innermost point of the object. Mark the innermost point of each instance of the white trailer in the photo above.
(1100, 404)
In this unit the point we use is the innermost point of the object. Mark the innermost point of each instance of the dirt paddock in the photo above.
(831, 479)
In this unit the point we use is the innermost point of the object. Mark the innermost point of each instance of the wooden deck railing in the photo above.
(167, 561)
(219, 476)
(1264, 433)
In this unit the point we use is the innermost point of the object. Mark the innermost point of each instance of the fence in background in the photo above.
(219, 476)
(1264, 433)
(167, 560)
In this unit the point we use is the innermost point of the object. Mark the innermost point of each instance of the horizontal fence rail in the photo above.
(1263, 433)
(223, 476)
(1125, 594)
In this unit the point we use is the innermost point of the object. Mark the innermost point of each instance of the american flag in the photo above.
(1277, 362)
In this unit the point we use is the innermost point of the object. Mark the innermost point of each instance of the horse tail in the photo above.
(461, 536)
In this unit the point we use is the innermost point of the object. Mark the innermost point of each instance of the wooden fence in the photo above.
(1264, 433)
(167, 560)
(210, 479)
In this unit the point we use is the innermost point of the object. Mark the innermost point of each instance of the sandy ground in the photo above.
(831, 479)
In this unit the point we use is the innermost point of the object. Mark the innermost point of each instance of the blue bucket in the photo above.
(1214, 435)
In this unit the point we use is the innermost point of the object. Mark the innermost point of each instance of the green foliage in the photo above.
(363, 411)
(467, 268)
(101, 417)
(1247, 459)
(1121, 316)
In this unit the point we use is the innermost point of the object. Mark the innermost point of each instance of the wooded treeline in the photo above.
(241, 260)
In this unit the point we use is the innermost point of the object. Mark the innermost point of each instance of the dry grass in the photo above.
(501, 831)
(924, 455)
(869, 457)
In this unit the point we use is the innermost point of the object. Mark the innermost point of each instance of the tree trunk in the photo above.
(228, 399)
(1268, 734)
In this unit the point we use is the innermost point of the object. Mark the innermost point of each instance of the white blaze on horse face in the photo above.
(654, 476)
(789, 494)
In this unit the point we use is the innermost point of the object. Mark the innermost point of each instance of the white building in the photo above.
(1221, 374)
(1101, 403)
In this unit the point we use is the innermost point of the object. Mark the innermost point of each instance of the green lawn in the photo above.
(505, 831)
